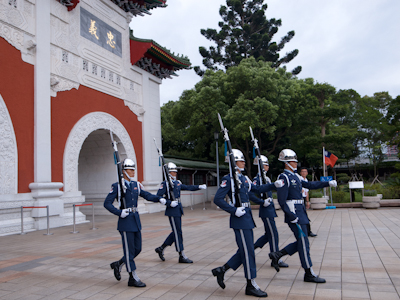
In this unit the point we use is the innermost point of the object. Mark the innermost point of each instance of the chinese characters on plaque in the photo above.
(100, 33)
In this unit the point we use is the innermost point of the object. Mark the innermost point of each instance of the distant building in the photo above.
(70, 71)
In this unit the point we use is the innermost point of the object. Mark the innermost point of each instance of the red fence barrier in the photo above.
(84, 204)
(48, 218)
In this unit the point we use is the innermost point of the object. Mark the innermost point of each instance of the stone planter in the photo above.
(371, 201)
(318, 203)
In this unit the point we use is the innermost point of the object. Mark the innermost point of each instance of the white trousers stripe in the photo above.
(272, 235)
(246, 254)
(127, 252)
(175, 233)
(305, 251)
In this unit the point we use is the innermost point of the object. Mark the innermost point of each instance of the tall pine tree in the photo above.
(245, 31)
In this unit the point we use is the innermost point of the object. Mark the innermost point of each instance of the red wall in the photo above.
(17, 90)
(70, 106)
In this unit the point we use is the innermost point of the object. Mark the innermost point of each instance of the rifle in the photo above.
(236, 183)
(121, 183)
(261, 173)
(167, 178)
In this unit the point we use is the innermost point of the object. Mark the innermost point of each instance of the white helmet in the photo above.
(172, 167)
(264, 160)
(238, 155)
(129, 164)
(287, 155)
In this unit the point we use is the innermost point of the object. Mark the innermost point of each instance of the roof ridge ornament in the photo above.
(139, 7)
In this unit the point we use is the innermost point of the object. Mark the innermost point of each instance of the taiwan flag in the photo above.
(330, 159)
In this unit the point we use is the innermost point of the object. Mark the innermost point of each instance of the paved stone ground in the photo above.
(357, 251)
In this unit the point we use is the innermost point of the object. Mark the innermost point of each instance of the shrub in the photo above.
(376, 186)
(391, 192)
(339, 196)
(370, 193)
(316, 194)
(342, 177)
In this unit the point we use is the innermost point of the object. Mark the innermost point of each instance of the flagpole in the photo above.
(323, 164)
(323, 158)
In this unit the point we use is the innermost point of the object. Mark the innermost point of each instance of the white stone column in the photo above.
(151, 129)
(44, 191)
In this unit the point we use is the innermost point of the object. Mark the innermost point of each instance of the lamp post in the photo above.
(216, 136)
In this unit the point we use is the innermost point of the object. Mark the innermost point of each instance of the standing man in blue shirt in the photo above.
(129, 225)
(291, 201)
(174, 211)
(306, 198)
(242, 223)
(267, 214)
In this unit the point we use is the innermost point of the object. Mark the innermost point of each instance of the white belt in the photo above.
(132, 209)
(244, 204)
(295, 201)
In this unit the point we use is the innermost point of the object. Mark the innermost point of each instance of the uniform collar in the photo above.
(290, 172)
(128, 183)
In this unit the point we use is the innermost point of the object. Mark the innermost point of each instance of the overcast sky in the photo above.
(346, 43)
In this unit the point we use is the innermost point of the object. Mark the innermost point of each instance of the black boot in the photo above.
(282, 264)
(135, 281)
(275, 257)
(116, 266)
(183, 259)
(219, 273)
(309, 276)
(253, 289)
(160, 252)
(310, 233)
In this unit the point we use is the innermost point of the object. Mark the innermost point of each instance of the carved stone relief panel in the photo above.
(14, 36)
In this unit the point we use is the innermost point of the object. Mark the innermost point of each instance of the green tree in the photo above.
(194, 116)
(393, 119)
(173, 137)
(245, 31)
(325, 120)
(373, 125)
(250, 94)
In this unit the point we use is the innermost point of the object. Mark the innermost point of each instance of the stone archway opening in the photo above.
(96, 168)
(92, 133)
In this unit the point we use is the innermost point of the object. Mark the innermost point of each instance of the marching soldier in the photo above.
(291, 202)
(129, 225)
(241, 221)
(174, 211)
(267, 214)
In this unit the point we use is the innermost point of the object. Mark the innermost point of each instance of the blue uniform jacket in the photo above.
(133, 190)
(265, 212)
(246, 221)
(176, 211)
(292, 191)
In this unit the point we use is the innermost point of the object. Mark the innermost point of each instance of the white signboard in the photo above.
(356, 184)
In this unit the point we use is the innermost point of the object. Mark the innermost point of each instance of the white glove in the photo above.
(240, 211)
(124, 213)
(266, 203)
(333, 183)
(174, 203)
(295, 220)
(279, 183)
(163, 201)
(202, 186)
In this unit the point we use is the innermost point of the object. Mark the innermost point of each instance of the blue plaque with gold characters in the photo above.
(100, 33)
